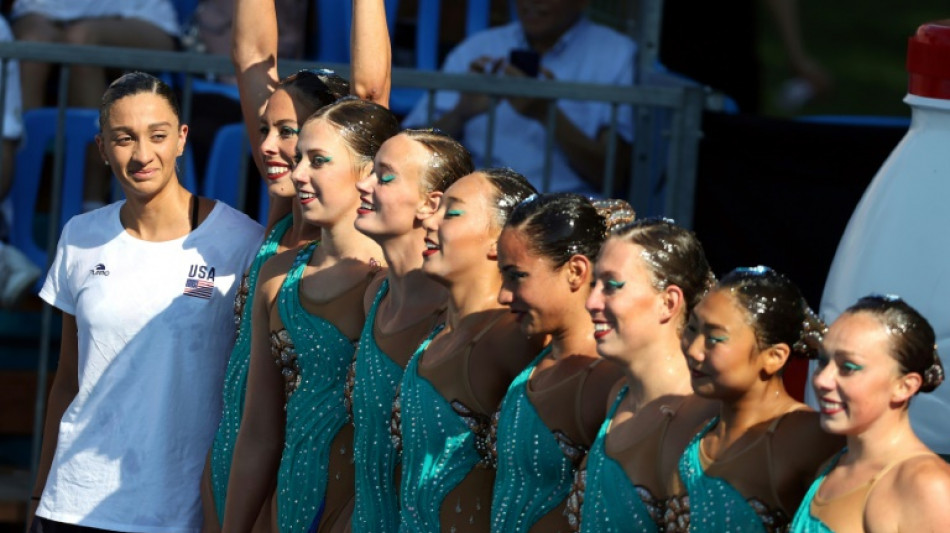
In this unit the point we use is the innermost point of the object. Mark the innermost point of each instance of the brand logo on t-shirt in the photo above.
(200, 282)
(99, 270)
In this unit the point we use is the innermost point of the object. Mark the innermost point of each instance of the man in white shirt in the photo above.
(571, 48)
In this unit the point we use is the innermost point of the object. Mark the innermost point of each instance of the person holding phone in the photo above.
(551, 39)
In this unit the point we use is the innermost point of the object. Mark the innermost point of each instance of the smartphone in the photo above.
(527, 61)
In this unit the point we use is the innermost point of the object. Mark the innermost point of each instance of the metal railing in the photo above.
(666, 116)
(682, 103)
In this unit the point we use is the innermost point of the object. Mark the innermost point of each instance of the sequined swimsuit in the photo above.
(411, 396)
(235, 381)
(442, 443)
(715, 506)
(314, 356)
(534, 472)
(611, 503)
(375, 380)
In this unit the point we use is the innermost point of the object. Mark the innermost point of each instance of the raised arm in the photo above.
(208, 508)
(254, 54)
(260, 441)
(370, 52)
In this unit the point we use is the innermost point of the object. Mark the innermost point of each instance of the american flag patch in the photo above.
(198, 288)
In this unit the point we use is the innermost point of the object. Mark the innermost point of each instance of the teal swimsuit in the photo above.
(612, 504)
(534, 475)
(715, 506)
(315, 357)
(804, 522)
(376, 378)
(235, 381)
(439, 448)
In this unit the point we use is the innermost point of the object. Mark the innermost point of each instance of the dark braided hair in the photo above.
(560, 225)
(134, 83)
(312, 89)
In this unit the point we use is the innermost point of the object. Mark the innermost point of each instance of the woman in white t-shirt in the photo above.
(146, 286)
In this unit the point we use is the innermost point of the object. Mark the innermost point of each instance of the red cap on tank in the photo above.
(928, 60)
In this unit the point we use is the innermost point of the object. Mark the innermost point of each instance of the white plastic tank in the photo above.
(898, 238)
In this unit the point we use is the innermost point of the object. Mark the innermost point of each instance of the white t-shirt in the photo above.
(155, 324)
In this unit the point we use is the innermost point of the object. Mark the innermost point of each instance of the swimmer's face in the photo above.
(858, 380)
(393, 197)
(278, 130)
(463, 232)
(325, 175)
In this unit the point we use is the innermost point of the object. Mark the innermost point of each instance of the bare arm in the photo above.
(469, 105)
(208, 507)
(254, 54)
(587, 156)
(786, 17)
(260, 440)
(452, 122)
(370, 52)
(918, 496)
(64, 390)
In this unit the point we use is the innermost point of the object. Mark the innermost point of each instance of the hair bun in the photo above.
(934, 375)
(813, 332)
(710, 281)
(616, 212)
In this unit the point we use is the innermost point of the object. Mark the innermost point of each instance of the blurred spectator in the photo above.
(452, 20)
(17, 273)
(127, 23)
(12, 121)
(210, 29)
(571, 48)
(716, 44)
